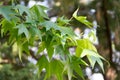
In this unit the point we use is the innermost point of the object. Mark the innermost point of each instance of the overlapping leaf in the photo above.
(8, 12)
(84, 44)
(23, 9)
(86, 48)
(38, 12)
(22, 29)
(55, 38)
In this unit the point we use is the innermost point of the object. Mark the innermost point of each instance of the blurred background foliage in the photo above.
(105, 15)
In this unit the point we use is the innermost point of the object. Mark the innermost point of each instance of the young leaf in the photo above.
(93, 57)
(84, 44)
(82, 19)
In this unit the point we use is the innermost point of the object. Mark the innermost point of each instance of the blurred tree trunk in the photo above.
(111, 72)
(108, 32)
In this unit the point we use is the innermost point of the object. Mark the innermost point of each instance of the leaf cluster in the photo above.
(25, 25)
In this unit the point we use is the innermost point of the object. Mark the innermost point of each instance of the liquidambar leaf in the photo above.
(82, 19)
(34, 31)
(23, 9)
(38, 10)
(48, 25)
(22, 29)
(57, 68)
(42, 63)
(76, 62)
(41, 47)
(84, 44)
(7, 12)
(68, 69)
(93, 57)
(62, 21)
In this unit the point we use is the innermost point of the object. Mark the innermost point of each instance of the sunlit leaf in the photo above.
(93, 57)
(82, 19)
(84, 44)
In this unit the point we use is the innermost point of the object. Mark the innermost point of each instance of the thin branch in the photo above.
(33, 56)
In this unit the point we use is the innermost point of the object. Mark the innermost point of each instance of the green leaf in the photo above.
(63, 40)
(85, 48)
(92, 34)
(42, 11)
(50, 51)
(78, 70)
(13, 36)
(22, 29)
(35, 32)
(78, 60)
(48, 25)
(25, 47)
(20, 51)
(82, 19)
(62, 21)
(57, 68)
(42, 63)
(75, 65)
(7, 12)
(49, 46)
(84, 44)
(93, 57)
(39, 12)
(59, 49)
(41, 47)
(70, 73)
(64, 30)
(67, 30)
(7, 26)
(23, 9)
